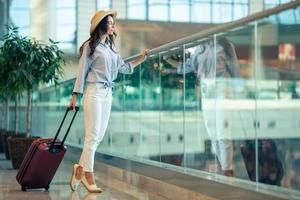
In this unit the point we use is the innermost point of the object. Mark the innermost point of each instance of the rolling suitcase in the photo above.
(270, 167)
(42, 159)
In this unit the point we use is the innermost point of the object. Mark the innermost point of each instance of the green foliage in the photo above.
(25, 63)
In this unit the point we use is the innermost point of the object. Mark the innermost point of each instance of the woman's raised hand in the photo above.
(144, 54)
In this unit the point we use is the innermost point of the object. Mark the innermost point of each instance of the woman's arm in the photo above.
(127, 68)
(140, 59)
(83, 68)
(189, 66)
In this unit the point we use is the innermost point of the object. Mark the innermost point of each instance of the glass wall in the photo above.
(64, 20)
(195, 11)
(19, 15)
(225, 107)
(277, 77)
(66, 24)
(274, 3)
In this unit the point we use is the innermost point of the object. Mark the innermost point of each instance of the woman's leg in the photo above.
(216, 122)
(224, 144)
(96, 105)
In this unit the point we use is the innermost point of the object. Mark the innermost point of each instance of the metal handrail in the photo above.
(217, 29)
(220, 28)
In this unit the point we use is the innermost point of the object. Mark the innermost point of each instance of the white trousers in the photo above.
(218, 120)
(96, 107)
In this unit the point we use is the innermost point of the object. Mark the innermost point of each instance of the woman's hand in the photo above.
(73, 101)
(141, 58)
(144, 54)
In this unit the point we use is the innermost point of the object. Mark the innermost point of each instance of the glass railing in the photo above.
(224, 104)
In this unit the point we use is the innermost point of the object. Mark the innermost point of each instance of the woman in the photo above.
(99, 65)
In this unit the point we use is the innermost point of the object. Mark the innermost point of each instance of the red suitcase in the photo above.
(42, 160)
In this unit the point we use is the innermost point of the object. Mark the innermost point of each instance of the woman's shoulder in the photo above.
(86, 44)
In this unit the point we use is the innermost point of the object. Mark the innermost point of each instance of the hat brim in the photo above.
(100, 17)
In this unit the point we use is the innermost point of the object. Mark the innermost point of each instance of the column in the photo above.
(255, 6)
(85, 11)
(4, 13)
(43, 19)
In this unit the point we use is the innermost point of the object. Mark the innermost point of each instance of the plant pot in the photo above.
(18, 147)
(1, 145)
(4, 137)
(5, 144)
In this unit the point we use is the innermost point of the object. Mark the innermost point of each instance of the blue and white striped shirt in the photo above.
(202, 61)
(102, 67)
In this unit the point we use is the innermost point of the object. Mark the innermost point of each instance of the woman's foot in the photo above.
(227, 173)
(89, 183)
(76, 177)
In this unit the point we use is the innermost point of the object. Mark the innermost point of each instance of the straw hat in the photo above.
(99, 16)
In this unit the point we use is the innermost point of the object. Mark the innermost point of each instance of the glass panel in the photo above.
(20, 18)
(19, 14)
(136, 9)
(172, 94)
(201, 12)
(68, 35)
(150, 102)
(241, 1)
(66, 24)
(223, 14)
(199, 106)
(129, 133)
(272, 1)
(66, 16)
(179, 11)
(289, 17)
(103, 4)
(240, 11)
(158, 10)
(19, 4)
(278, 102)
(235, 101)
(65, 3)
(225, 1)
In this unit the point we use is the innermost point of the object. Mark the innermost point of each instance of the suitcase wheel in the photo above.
(24, 188)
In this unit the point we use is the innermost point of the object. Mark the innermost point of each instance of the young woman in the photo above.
(99, 65)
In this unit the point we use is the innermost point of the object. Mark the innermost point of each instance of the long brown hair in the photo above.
(226, 46)
(96, 35)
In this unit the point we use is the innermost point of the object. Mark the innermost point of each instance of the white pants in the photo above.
(96, 107)
(218, 121)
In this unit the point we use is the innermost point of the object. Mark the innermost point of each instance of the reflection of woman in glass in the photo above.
(214, 90)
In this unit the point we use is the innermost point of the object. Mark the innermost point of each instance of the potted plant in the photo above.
(5, 95)
(3, 108)
(32, 63)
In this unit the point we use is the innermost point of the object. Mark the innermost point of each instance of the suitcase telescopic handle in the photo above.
(61, 124)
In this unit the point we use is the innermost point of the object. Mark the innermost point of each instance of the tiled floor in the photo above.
(59, 188)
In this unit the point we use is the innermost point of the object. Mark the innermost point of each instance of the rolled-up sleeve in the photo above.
(125, 68)
(83, 68)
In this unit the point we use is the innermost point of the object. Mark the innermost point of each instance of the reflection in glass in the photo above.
(278, 99)
(211, 62)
